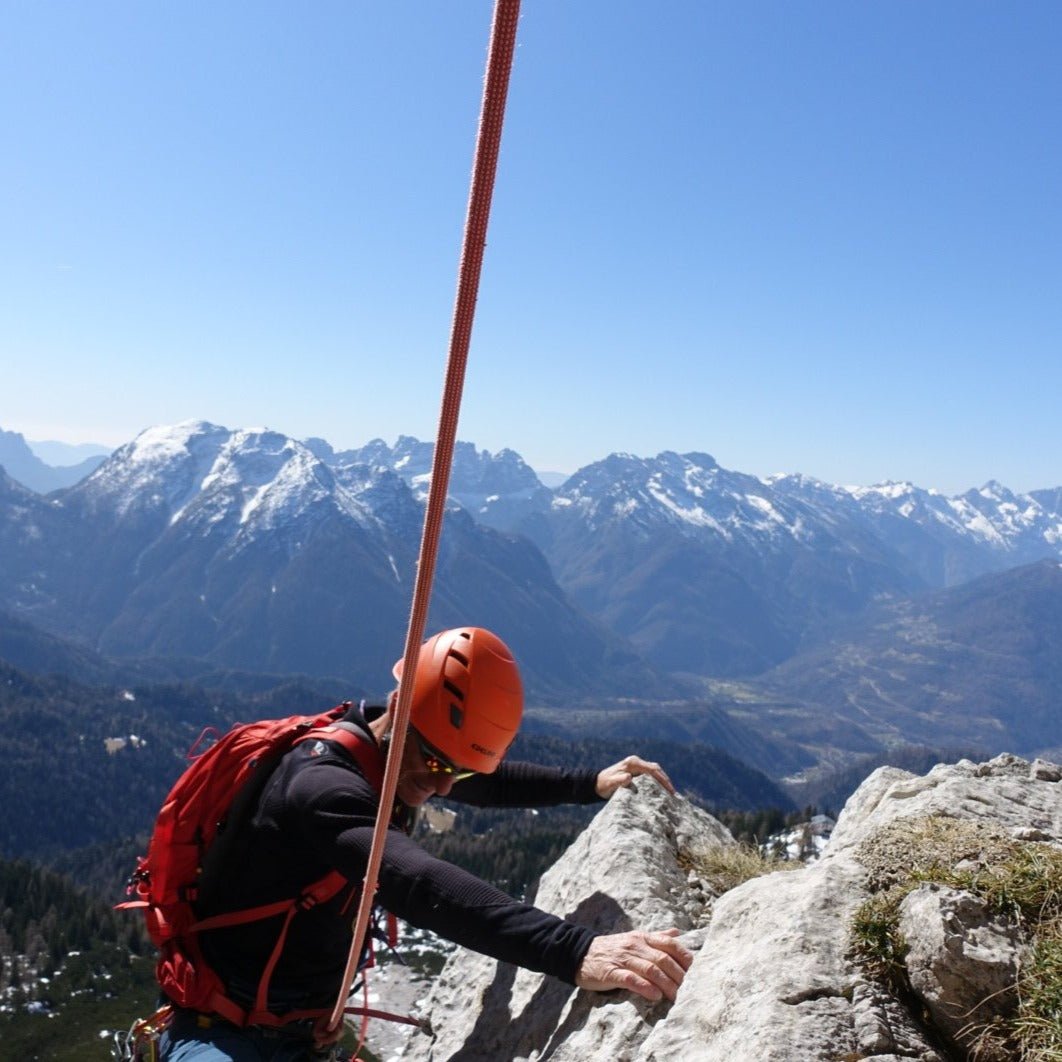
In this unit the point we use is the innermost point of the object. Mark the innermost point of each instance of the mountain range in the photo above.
(243, 549)
(657, 579)
(712, 571)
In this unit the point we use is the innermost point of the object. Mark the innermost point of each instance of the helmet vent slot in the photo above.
(460, 657)
(449, 686)
(457, 716)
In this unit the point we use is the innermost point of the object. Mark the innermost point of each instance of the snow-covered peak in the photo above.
(272, 479)
(690, 492)
(199, 476)
(476, 476)
(797, 481)
(890, 490)
(253, 458)
(159, 470)
(165, 443)
(994, 491)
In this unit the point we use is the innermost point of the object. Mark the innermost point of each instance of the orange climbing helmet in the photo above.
(467, 697)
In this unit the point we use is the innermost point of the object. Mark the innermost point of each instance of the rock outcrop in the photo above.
(963, 961)
(776, 975)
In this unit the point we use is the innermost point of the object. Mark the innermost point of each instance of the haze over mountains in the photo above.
(63, 466)
(976, 666)
(647, 577)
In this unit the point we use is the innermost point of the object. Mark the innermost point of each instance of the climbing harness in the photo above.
(488, 142)
(140, 1043)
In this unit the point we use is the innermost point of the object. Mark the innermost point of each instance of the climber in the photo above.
(317, 812)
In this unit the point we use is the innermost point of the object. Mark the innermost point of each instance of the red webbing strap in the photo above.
(321, 891)
(488, 142)
(386, 1015)
(241, 1019)
(261, 999)
(369, 758)
(239, 918)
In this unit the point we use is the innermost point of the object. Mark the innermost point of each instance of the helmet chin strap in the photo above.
(488, 142)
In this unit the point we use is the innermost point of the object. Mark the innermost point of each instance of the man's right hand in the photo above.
(652, 965)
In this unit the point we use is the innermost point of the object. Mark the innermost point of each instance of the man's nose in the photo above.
(443, 783)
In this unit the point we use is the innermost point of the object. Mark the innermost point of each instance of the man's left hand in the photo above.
(620, 775)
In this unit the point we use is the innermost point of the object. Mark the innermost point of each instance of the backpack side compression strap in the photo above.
(319, 892)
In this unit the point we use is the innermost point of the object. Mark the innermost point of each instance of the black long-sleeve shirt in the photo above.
(317, 814)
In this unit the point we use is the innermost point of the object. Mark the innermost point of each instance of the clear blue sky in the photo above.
(804, 236)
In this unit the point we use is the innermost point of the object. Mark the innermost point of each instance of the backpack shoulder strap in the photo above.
(349, 737)
(231, 835)
(365, 752)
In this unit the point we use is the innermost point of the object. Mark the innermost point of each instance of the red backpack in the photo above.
(217, 791)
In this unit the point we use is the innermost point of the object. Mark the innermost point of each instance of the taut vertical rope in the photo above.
(488, 141)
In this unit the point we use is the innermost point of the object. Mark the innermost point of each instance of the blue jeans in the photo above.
(187, 1040)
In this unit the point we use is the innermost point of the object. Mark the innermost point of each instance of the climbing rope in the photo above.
(488, 141)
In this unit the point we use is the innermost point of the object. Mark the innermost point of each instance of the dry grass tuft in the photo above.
(1038, 1026)
(930, 844)
(725, 867)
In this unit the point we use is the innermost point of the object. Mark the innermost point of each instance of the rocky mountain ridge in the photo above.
(712, 571)
(245, 550)
(263, 553)
(693, 492)
(779, 974)
(478, 478)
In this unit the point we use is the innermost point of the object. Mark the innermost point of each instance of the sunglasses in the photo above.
(437, 763)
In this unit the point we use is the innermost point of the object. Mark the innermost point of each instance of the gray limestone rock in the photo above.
(774, 978)
(962, 962)
(633, 868)
(1000, 792)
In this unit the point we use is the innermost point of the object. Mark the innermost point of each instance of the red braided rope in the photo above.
(488, 141)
